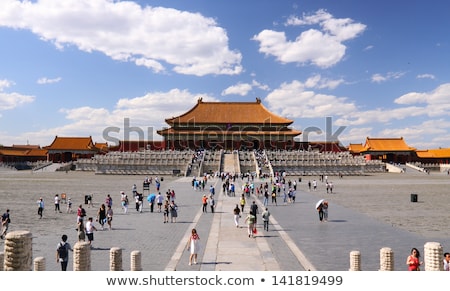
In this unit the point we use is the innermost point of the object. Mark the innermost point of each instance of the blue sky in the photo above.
(81, 67)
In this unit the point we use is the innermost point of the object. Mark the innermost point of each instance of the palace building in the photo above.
(66, 149)
(385, 149)
(229, 126)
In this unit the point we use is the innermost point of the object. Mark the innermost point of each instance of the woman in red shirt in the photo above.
(413, 260)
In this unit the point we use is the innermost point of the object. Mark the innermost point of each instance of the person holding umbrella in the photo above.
(151, 201)
(319, 207)
(325, 210)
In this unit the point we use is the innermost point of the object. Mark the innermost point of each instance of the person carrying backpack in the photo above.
(254, 210)
(62, 252)
(5, 223)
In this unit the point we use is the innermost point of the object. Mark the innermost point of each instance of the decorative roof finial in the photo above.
(258, 100)
(199, 100)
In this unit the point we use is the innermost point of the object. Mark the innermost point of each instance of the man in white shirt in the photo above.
(57, 201)
(159, 201)
(90, 228)
(447, 262)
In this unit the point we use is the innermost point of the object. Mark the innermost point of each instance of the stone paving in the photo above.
(296, 240)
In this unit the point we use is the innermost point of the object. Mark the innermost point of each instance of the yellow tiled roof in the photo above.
(229, 112)
(101, 146)
(71, 143)
(23, 152)
(434, 153)
(386, 144)
(355, 148)
(13, 152)
(37, 152)
(168, 131)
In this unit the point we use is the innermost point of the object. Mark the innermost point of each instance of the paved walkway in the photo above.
(296, 240)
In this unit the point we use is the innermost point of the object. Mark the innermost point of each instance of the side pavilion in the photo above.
(66, 149)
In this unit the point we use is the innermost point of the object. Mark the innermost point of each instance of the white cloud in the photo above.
(243, 89)
(149, 36)
(258, 85)
(323, 48)
(438, 98)
(10, 101)
(354, 134)
(301, 100)
(318, 82)
(295, 100)
(426, 76)
(379, 78)
(46, 80)
(5, 84)
(238, 89)
(379, 115)
(145, 114)
(426, 135)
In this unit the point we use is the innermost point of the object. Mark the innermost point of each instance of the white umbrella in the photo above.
(319, 202)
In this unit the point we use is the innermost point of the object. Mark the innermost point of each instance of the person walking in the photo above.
(212, 203)
(446, 261)
(136, 201)
(274, 197)
(265, 217)
(101, 216)
(159, 201)
(81, 213)
(205, 203)
(81, 231)
(89, 200)
(62, 252)
(166, 211)
(173, 208)
(109, 217)
(6, 220)
(124, 201)
(242, 202)
(254, 210)
(325, 210)
(293, 194)
(151, 201)
(90, 228)
(266, 197)
(250, 220)
(41, 206)
(320, 211)
(237, 215)
(139, 199)
(57, 202)
(413, 260)
(69, 205)
(193, 246)
(108, 200)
